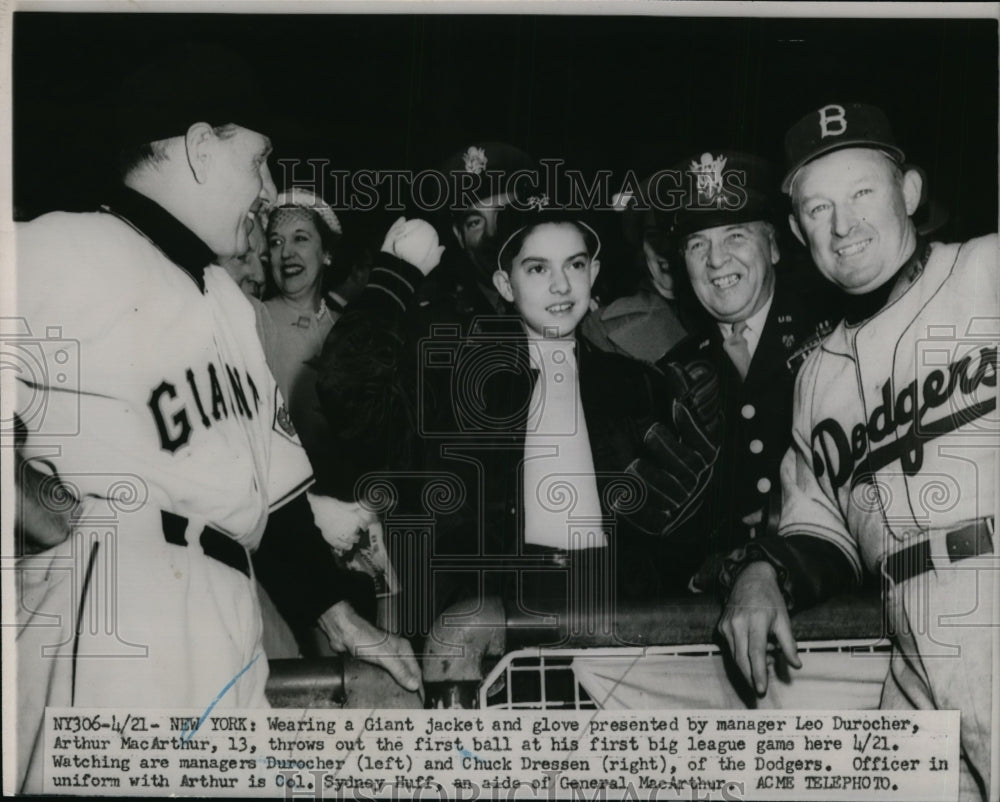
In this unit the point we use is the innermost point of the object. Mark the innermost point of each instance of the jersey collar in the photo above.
(860, 308)
(177, 242)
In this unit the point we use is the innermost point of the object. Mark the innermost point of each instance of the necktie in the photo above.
(736, 346)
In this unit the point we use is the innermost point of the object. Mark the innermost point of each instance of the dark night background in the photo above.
(600, 92)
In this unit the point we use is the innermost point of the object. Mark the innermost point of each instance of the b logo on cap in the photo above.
(832, 114)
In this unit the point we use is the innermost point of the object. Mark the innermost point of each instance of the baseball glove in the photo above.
(676, 466)
(696, 385)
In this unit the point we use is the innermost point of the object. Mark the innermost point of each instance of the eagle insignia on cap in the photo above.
(475, 160)
(709, 179)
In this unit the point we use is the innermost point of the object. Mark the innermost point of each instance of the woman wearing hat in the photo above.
(303, 235)
(304, 244)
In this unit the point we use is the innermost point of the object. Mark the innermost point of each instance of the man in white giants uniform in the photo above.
(175, 444)
(893, 463)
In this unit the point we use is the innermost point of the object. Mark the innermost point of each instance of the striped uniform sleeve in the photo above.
(809, 506)
(392, 286)
(289, 472)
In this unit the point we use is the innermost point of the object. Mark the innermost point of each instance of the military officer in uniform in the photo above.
(482, 179)
(756, 335)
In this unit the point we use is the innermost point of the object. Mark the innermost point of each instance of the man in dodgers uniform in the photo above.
(175, 443)
(892, 468)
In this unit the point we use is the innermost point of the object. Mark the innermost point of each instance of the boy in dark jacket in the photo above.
(527, 451)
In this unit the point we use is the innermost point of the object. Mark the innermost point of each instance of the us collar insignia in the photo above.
(475, 160)
(709, 179)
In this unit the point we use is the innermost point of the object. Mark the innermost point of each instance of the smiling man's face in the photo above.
(732, 268)
(851, 209)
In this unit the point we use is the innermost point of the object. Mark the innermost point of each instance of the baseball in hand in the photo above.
(392, 235)
(416, 242)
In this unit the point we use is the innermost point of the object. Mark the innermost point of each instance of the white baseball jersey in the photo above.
(894, 426)
(171, 409)
(173, 386)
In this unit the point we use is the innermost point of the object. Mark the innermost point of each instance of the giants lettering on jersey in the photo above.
(837, 456)
(202, 400)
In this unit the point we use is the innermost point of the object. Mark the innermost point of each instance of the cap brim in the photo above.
(688, 221)
(890, 150)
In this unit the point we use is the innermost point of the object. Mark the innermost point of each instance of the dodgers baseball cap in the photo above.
(836, 126)
(723, 188)
(188, 83)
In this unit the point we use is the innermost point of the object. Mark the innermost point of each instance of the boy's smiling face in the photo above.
(550, 279)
